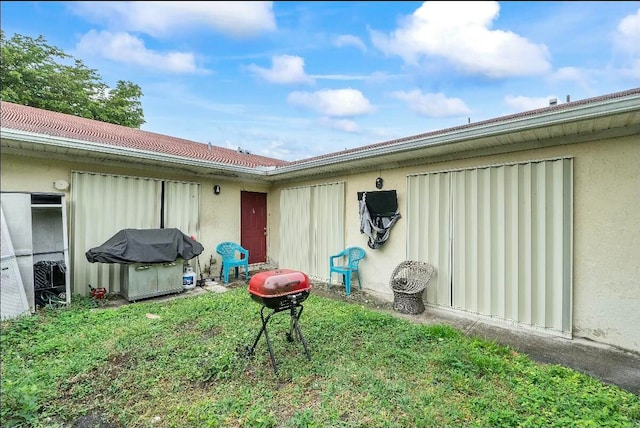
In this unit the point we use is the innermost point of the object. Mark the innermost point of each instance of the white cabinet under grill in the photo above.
(144, 280)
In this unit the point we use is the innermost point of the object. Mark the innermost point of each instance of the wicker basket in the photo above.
(408, 282)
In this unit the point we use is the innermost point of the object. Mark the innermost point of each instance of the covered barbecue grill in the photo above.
(280, 290)
(145, 246)
(151, 260)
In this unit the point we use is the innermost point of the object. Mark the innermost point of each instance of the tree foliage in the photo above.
(36, 74)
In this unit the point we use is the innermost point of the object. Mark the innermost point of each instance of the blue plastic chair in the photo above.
(233, 256)
(346, 263)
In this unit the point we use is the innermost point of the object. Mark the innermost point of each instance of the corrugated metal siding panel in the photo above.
(511, 248)
(328, 235)
(428, 230)
(182, 207)
(525, 215)
(317, 213)
(102, 205)
(501, 234)
(567, 250)
(295, 220)
(560, 237)
(480, 240)
(512, 251)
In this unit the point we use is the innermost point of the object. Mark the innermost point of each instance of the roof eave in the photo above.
(206, 166)
(424, 146)
(552, 117)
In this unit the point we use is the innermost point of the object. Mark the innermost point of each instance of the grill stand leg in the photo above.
(266, 336)
(295, 326)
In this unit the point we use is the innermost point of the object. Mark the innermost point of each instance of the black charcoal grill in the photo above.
(280, 290)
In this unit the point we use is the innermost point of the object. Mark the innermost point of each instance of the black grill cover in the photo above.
(145, 246)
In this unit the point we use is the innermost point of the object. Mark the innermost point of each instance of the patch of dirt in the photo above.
(92, 421)
(337, 292)
(357, 296)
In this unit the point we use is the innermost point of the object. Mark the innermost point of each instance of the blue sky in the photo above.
(293, 80)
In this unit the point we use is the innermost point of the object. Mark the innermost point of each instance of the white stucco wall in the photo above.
(606, 275)
(607, 242)
(219, 214)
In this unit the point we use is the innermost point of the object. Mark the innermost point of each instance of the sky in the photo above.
(293, 80)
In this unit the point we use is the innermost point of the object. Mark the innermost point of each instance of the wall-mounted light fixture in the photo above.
(216, 189)
(379, 182)
(61, 184)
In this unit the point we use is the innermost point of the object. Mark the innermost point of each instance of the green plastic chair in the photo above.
(234, 256)
(346, 263)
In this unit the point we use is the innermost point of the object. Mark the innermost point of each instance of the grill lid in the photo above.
(277, 283)
(130, 246)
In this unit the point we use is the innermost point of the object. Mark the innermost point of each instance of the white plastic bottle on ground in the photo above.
(188, 278)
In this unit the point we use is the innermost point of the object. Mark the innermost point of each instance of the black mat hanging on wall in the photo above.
(378, 213)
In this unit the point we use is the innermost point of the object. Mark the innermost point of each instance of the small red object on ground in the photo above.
(98, 293)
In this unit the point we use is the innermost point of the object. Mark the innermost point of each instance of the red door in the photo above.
(253, 225)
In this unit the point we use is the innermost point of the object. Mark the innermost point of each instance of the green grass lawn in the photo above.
(183, 363)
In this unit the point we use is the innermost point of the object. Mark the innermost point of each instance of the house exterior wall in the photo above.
(606, 276)
(219, 214)
(606, 244)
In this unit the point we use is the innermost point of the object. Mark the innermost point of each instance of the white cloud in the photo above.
(164, 18)
(627, 35)
(376, 77)
(340, 77)
(632, 71)
(275, 149)
(571, 74)
(125, 48)
(345, 125)
(582, 78)
(520, 103)
(333, 102)
(379, 77)
(349, 40)
(627, 43)
(284, 69)
(461, 33)
(431, 105)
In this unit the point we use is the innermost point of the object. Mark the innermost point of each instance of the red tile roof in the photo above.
(30, 119)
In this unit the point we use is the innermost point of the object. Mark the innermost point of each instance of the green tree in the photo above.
(122, 106)
(36, 74)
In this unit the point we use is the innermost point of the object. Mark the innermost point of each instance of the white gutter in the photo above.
(74, 144)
